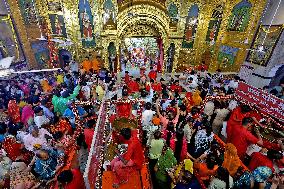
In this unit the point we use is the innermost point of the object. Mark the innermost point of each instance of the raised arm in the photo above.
(75, 93)
(158, 108)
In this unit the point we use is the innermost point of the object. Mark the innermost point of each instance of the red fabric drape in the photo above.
(161, 51)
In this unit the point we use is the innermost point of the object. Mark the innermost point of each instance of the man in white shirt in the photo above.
(147, 115)
(39, 118)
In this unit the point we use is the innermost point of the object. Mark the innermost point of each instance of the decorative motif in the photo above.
(214, 25)
(86, 24)
(190, 27)
(57, 25)
(28, 11)
(226, 56)
(267, 38)
(41, 52)
(54, 6)
(9, 41)
(239, 19)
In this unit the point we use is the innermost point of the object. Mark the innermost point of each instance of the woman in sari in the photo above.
(231, 160)
(256, 179)
(196, 99)
(165, 162)
(27, 115)
(45, 86)
(48, 163)
(208, 169)
(12, 147)
(182, 176)
(14, 111)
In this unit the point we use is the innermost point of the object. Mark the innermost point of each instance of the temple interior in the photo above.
(142, 94)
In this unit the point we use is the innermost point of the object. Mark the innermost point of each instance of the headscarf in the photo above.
(196, 98)
(165, 161)
(27, 114)
(261, 174)
(231, 160)
(14, 111)
(188, 165)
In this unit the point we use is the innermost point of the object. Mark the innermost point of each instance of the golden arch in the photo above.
(148, 15)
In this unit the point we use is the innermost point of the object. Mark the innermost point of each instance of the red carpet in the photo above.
(133, 183)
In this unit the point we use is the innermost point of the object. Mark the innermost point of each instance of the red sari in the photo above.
(14, 111)
(123, 109)
(12, 147)
(63, 126)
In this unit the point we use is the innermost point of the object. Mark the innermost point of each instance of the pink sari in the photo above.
(27, 114)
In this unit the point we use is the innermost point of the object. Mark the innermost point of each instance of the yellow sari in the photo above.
(197, 100)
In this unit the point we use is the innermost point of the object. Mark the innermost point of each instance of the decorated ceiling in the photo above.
(216, 32)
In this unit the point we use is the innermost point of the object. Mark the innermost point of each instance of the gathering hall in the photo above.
(141, 94)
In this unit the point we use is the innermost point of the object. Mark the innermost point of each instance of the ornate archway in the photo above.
(144, 20)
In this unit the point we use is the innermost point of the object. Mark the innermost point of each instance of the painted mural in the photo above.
(267, 38)
(173, 12)
(86, 20)
(41, 53)
(109, 11)
(190, 27)
(214, 25)
(28, 11)
(226, 56)
(57, 25)
(240, 16)
(9, 41)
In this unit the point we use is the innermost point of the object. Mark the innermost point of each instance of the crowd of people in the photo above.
(194, 143)
(46, 136)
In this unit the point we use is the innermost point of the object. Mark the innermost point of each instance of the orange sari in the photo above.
(45, 86)
(231, 160)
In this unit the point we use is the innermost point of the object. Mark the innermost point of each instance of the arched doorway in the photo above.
(144, 21)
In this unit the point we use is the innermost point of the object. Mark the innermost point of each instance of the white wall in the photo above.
(279, 17)
(277, 58)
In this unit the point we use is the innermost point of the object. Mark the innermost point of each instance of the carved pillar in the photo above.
(177, 49)
(16, 14)
(165, 49)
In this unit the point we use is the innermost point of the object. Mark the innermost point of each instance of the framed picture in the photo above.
(9, 40)
(41, 53)
(268, 38)
(57, 25)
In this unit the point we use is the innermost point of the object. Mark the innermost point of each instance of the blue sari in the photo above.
(46, 168)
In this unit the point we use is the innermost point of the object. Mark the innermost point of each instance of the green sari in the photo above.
(166, 161)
